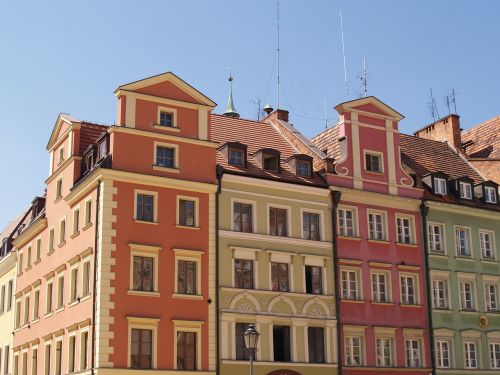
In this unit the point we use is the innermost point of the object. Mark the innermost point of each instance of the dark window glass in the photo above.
(186, 277)
(303, 168)
(186, 350)
(166, 119)
(165, 157)
(277, 222)
(241, 350)
(279, 277)
(270, 163)
(243, 273)
(141, 348)
(281, 343)
(145, 207)
(313, 280)
(143, 274)
(242, 217)
(316, 342)
(373, 163)
(186, 213)
(236, 157)
(311, 226)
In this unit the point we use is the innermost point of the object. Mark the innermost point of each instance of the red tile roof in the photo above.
(327, 141)
(483, 140)
(89, 134)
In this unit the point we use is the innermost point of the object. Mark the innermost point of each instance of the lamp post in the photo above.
(251, 339)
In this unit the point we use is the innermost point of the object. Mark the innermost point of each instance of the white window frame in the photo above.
(36, 304)
(359, 282)
(482, 242)
(82, 352)
(143, 323)
(88, 213)
(348, 342)
(172, 111)
(439, 352)
(172, 146)
(467, 279)
(410, 359)
(440, 186)
(321, 222)
(254, 212)
(465, 189)
(147, 251)
(468, 239)
(378, 154)
(446, 299)
(492, 354)
(355, 228)
(467, 354)
(488, 195)
(155, 205)
(431, 237)
(189, 256)
(76, 221)
(196, 201)
(411, 228)
(72, 355)
(85, 277)
(383, 215)
(390, 340)
(375, 290)
(495, 283)
(72, 282)
(416, 287)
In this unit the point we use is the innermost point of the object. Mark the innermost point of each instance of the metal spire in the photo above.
(230, 110)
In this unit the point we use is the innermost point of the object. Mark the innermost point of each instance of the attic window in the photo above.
(103, 149)
(236, 156)
(270, 163)
(373, 162)
(465, 190)
(490, 194)
(166, 119)
(439, 186)
(304, 168)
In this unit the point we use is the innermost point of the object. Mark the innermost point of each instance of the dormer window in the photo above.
(465, 190)
(166, 119)
(270, 163)
(373, 162)
(236, 157)
(440, 186)
(303, 168)
(490, 194)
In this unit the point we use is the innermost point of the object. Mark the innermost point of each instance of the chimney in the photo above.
(445, 129)
(279, 114)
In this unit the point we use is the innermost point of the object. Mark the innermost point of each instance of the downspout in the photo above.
(94, 301)
(335, 196)
(424, 210)
(219, 172)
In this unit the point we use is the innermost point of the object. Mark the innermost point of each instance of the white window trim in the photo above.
(493, 244)
(80, 347)
(441, 277)
(417, 286)
(388, 284)
(281, 257)
(76, 267)
(35, 290)
(477, 346)
(155, 205)
(495, 341)
(317, 261)
(172, 111)
(288, 218)
(51, 357)
(190, 256)
(467, 278)
(75, 231)
(143, 323)
(355, 223)
(471, 248)
(88, 213)
(58, 278)
(443, 237)
(359, 282)
(374, 153)
(33, 348)
(254, 212)
(75, 354)
(173, 146)
(82, 282)
(149, 252)
(411, 219)
(384, 224)
(386, 333)
(246, 254)
(196, 201)
(49, 248)
(486, 188)
(62, 240)
(188, 326)
(449, 340)
(321, 222)
(462, 190)
(355, 331)
(436, 184)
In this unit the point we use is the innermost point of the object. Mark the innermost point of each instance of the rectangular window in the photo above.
(384, 352)
(26, 310)
(281, 343)
(495, 355)
(6, 351)
(51, 240)
(350, 288)
(242, 353)
(36, 305)
(84, 338)
(486, 243)
(10, 294)
(491, 194)
(59, 189)
(48, 349)
(60, 292)
(59, 357)
(440, 294)
(270, 163)
(187, 213)
(18, 314)
(353, 351)
(373, 162)
(242, 217)
(346, 222)
(62, 232)
(243, 274)
(186, 277)
(143, 273)
(38, 249)
(16, 365)
(314, 280)
(413, 355)
(465, 190)
(303, 168)
(310, 226)
(20, 264)
(435, 234)
(76, 221)
(379, 287)
(278, 222)
(316, 343)
(236, 157)
(466, 296)
(72, 352)
(88, 212)
(34, 361)
(74, 284)
(86, 279)
(279, 277)
(48, 302)
(462, 241)
(470, 354)
(404, 230)
(28, 260)
(166, 119)
(376, 225)
(141, 348)
(145, 207)
(165, 157)
(2, 300)
(439, 186)
(186, 350)
(491, 297)
(408, 294)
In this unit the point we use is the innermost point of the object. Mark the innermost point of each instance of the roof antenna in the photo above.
(433, 108)
(258, 102)
(364, 80)
(447, 102)
(324, 106)
(230, 110)
(278, 54)
(346, 86)
(453, 99)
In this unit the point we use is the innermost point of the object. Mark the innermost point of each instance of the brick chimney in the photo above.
(445, 129)
(278, 114)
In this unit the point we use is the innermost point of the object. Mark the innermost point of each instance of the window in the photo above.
(76, 221)
(51, 240)
(74, 284)
(18, 314)
(28, 261)
(440, 294)
(303, 168)
(408, 295)
(166, 119)
(26, 310)
(490, 194)
(353, 351)
(20, 264)
(466, 296)
(404, 225)
(236, 157)
(186, 350)
(373, 162)
(491, 297)
(16, 365)
(36, 305)
(141, 348)
(48, 302)
(350, 285)
(465, 190)
(486, 243)
(187, 213)
(279, 277)
(379, 287)
(384, 352)
(314, 280)
(165, 157)
(143, 273)
(242, 217)
(72, 352)
(61, 155)
(84, 338)
(278, 222)
(242, 352)
(88, 212)
(281, 343)
(10, 294)
(243, 273)
(376, 225)
(6, 351)
(186, 277)
(59, 357)
(470, 354)
(439, 186)
(60, 292)
(62, 232)
(145, 207)
(316, 343)
(48, 349)
(59, 188)
(25, 363)
(442, 354)
(86, 279)
(346, 222)
(38, 249)
(495, 355)
(310, 226)
(462, 241)
(34, 360)
(2, 301)
(271, 163)
(412, 349)
(435, 234)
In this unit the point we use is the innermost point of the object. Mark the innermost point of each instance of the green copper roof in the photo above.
(230, 110)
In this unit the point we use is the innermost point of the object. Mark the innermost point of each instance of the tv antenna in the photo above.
(364, 80)
(258, 103)
(433, 108)
(346, 86)
(278, 54)
(453, 100)
(324, 106)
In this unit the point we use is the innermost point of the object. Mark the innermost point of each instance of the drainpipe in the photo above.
(335, 196)
(219, 172)
(94, 301)
(424, 210)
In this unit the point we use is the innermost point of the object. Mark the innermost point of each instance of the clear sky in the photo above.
(69, 56)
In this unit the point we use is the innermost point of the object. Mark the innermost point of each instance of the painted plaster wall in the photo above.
(7, 273)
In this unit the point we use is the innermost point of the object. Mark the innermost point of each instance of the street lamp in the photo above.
(251, 339)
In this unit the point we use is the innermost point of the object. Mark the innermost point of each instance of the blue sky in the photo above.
(68, 56)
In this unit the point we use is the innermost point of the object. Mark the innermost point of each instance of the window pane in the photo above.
(186, 350)
(186, 213)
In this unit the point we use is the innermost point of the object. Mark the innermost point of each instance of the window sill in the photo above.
(377, 173)
(51, 252)
(87, 226)
(143, 294)
(493, 312)
(58, 199)
(59, 309)
(187, 296)
(49, 314)
(17, 329)
(166, 169)
(468, 311)
(35, 321)
(382, 303)
(384, 242)
(85, 297)
(438, 254)
(73, 303)
(415, 305)
(168, 128)
(464, 257)
(414, 245)
(27, 268)
(61, 244)
(146, 222)
(25, 325)
(187, 227)
(353, 301)
(442, 310)
(349, 238)
(489, 260)
(76, 234)
(19, 274)
(37, 261)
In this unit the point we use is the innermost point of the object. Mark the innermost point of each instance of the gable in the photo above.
(63, 122)
(370, 104)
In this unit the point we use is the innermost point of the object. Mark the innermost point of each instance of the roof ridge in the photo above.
(481, 124)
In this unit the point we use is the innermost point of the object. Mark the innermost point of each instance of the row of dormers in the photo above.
(463, 187)
(268, 159)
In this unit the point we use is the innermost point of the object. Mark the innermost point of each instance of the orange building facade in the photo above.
(115, 268)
